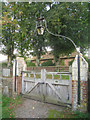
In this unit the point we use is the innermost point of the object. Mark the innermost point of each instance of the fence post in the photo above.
(43, 75)
(22, 83)
(70, 88)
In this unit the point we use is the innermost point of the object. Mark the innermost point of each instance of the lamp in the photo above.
(40, 28)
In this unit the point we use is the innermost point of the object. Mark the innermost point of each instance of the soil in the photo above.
(35, 109)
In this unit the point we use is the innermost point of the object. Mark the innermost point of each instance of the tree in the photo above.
(27, 26)
(71, 20)
(68, 19)
(9, 25)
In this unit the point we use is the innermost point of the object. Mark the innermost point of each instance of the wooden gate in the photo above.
(51, 87)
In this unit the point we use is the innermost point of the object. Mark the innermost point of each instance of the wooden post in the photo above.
(70, 88)
(44, 75)
(22, 83)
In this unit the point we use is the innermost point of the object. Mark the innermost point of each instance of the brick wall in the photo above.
(67, 61)
(83, 95)
(49, 68)
(18, 85)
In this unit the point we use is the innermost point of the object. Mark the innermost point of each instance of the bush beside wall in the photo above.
(29, 63)
(48, 63)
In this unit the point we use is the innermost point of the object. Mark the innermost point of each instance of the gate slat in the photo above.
(64, 86)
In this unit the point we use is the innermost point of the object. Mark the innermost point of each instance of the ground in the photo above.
(35, 109)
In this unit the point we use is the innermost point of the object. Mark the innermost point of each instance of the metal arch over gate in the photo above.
(50, 87)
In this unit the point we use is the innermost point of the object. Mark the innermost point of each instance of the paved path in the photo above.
(35, 109)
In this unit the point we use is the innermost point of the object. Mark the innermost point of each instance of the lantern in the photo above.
(40, 30)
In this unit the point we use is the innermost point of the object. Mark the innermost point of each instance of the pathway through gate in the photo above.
(50, 87)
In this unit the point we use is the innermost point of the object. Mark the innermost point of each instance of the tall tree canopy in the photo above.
(63, 18)
(71, 20)
(9, 27)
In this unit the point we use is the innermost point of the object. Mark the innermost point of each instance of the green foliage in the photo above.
(86, 57)
(70, 63)
(56, 76)
(63, 18)
(88, 60)
(9, 27)
(8, 106)
(65, 77)
(48, 63)
(4, 64)
(29, 63)
(69, 19)
(62, 63)
(48, 76)
(89, 64)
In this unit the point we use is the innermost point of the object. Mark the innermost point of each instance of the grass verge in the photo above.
(68, 114)
(9, 104)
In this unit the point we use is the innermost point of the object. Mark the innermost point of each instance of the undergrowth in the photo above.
(68, 114)
(8, 106)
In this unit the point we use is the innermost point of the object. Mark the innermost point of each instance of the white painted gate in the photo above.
(51, 87)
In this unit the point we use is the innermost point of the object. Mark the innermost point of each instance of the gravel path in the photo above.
(35, 109)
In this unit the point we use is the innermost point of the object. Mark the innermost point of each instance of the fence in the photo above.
(40, 83)
(51, 87)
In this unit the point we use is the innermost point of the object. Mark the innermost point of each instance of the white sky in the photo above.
(3, 57)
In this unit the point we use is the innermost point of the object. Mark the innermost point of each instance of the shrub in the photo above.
(4, 64)
(9, 105)
(62, 63)
(29, 63)
(88, 60)
(70, 63)
(67, 113)
(48, 63)
(89, 64)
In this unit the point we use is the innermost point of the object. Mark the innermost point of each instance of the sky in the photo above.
(3, 57)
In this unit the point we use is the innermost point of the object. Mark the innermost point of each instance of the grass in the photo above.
(32, 75)
(56, 76)
(65, 77)
(8, 106)
(38, 76)
(68, 114)
(49, 76)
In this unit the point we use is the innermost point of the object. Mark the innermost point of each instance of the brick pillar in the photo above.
(19, 85)
(83, 84)
(20, 66)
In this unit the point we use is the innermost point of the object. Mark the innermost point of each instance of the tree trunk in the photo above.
(9, 60)
(56, 60)
(38, 59)
(37, 62)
